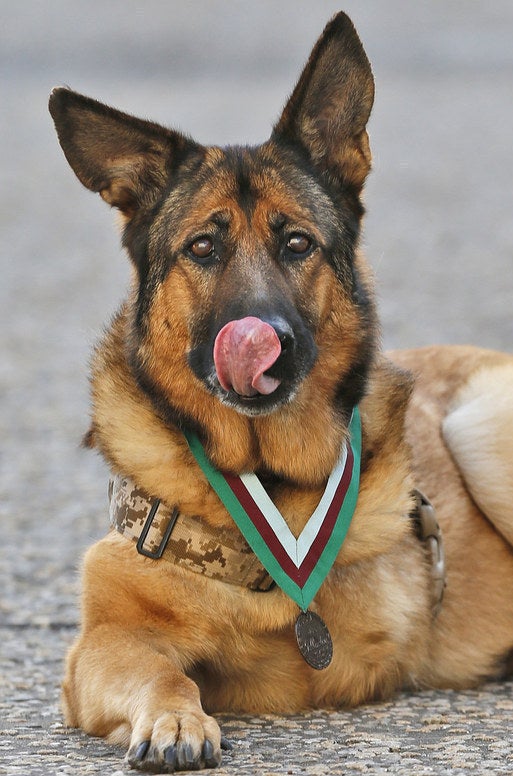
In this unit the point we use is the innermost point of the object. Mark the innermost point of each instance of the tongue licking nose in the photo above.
(243, 351)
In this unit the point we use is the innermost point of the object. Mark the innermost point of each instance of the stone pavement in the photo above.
(439, 234)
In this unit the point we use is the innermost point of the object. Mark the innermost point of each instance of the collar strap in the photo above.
(162, 532)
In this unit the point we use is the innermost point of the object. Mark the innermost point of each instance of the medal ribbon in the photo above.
(298, 566)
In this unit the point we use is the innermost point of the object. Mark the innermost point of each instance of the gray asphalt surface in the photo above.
(439, 235)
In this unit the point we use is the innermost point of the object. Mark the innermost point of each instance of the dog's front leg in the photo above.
(121, 686)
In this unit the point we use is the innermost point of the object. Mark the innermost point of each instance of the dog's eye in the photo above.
(299, 244)
(202, 248)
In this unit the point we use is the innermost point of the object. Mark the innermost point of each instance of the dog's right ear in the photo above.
(125, 159)
(330, 106)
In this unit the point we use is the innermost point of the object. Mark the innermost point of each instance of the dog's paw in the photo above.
(176, 741)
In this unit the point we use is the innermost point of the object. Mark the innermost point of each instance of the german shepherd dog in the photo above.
(251, 328)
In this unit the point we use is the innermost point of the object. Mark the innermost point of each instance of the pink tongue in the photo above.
(243, 351)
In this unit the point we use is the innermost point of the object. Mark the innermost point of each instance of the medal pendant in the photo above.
(314, 640)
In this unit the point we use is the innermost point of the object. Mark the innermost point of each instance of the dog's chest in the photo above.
(264, 664)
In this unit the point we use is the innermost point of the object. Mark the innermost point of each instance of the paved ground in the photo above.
(439, 234)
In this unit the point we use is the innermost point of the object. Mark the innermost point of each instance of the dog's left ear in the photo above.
(331, 104)
(126, 160)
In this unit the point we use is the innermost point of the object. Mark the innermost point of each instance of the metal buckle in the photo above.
(158, 553)
(429, 532)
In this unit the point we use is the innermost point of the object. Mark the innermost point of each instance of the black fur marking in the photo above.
(240, 165)
(351, 388)
(153, 265)
(504, 667)
(348, 210)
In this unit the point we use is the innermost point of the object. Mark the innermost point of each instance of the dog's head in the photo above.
(246, 276)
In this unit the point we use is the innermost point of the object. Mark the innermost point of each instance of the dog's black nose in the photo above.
(281, 368)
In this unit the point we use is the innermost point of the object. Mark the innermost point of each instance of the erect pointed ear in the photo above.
(331, 104)
(125, 159)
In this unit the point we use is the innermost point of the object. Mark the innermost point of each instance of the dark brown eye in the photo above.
(202, 248)
(299, 244)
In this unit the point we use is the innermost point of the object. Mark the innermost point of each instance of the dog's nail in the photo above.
(170, 756)
(137, 754)
(186, 759)
(210, 759)
(226, 744)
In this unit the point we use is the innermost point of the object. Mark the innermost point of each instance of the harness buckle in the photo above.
(430, 534)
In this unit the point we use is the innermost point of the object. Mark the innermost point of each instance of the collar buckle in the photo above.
(158, 553)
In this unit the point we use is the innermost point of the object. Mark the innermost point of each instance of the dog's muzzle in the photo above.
(255, 363)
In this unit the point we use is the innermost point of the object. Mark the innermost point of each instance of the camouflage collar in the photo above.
(160, 531)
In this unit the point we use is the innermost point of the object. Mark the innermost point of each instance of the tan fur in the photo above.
(389, 645)
(250, 636)
(479, 562)
(161, 647)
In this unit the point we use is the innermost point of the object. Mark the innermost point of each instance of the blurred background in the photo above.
(439, 231)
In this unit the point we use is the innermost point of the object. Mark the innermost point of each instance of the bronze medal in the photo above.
(314, 640)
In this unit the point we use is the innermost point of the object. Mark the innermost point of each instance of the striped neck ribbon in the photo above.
(299, 566)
